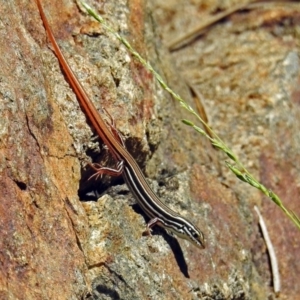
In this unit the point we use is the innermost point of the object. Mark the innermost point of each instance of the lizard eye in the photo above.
(198, 238)
(195, 235)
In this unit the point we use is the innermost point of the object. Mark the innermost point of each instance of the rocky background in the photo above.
(63, 236)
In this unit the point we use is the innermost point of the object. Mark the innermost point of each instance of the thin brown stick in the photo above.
(272, 254)
(198, 29)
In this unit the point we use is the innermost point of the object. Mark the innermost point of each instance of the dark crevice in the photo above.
(117, 81)
(22, 185)
(31, 133)
(93, 189)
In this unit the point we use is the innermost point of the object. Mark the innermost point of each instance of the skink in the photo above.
(154, 208)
